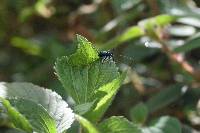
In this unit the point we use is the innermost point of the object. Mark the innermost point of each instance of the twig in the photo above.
(178, 58)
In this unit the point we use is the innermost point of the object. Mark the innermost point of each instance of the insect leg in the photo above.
(111, 58)
(104, 58)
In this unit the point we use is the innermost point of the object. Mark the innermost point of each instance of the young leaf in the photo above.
(118, 124)
(164, 19)
(85, 53)
(50, 101)
(89, 127)
(164, 124)
(87, 80)
(139, 113)
(151, 25)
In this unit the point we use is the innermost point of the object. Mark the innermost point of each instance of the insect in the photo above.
(106, 55)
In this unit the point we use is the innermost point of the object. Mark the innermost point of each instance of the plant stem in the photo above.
(179, 59)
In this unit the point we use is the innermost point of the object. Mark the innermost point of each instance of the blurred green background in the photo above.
(33, 33)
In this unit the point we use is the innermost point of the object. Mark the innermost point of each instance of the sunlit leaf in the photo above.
(39, 121)
(42, 100)
(18, 119)
(85, 53)
(83, 82)
(106, 94)
(87, 79)
(42, 8)
(131, 33)
(151, 25)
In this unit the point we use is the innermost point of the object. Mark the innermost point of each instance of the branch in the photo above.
(179, 59)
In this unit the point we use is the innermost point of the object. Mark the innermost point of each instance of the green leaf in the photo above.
(109, 91)
(138, 30)
(85, 53)
(166, 97)
(82, 82)
(190, 44)
(88, 126)
(87, 83)
(28, 46)
(42, 9)
(164, 124)
(139, 113)
(83, 108)
(164, 19)
(150, 25)
(44, 98)
(18, 119)
(31, 113)
(131, 33)
(118, 124)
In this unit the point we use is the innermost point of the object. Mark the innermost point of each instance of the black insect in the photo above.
(106, 55)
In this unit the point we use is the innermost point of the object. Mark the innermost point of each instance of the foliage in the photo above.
(150, 85)
(87, 83)
(32, 108)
